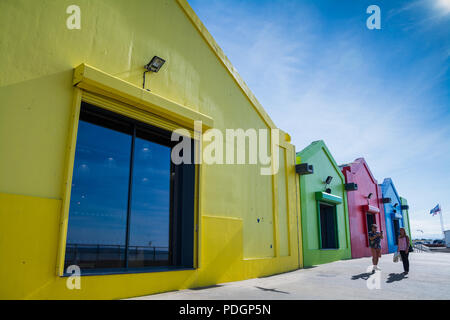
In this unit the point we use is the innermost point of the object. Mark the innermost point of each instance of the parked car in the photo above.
(436, 244)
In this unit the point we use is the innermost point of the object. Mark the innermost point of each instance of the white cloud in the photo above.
(443, 6)
(332, 88)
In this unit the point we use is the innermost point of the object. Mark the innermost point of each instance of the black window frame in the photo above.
(369, 226)
(335, 222)
(181, 225)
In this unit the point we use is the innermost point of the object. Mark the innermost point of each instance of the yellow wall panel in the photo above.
(28, 244)
(38, 57)
(283, 206)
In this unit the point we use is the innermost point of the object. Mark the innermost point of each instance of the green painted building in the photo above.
(323, 203)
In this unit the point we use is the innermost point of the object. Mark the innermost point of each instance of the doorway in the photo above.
(328, 226)
(370, 220)
(396, 224)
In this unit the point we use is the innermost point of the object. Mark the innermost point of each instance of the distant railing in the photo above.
(95, 254)
(421, 248)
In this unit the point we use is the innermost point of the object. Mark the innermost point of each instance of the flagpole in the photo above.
(442, 223)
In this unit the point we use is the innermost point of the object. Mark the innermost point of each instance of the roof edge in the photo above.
(386, 183)
(360, 163)
(190, 13)
(315, 147)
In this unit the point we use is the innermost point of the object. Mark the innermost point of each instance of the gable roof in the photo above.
(385, 185)
(357, 165)
(225, 62)
(315, 147)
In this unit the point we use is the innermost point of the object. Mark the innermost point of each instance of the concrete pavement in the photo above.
(429, 278)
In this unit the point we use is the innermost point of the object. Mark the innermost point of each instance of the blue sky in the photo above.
(380, 94)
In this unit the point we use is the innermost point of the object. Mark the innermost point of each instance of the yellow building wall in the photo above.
(37, 57)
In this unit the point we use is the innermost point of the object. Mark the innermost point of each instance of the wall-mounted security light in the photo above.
(405, 207)
(386, 200)
(304, 168)
(327, 182)
(153, 66)
(351, 186)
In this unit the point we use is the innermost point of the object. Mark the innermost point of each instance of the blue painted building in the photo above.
(392, 212)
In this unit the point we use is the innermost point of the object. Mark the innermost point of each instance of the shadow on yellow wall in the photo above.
(29, 246)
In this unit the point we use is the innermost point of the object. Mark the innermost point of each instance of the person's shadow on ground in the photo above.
(396, 277)
(364, 276)
(272, 290)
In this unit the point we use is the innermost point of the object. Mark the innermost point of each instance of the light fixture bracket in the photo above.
(386, 200)
(304, 169)
(351, 186)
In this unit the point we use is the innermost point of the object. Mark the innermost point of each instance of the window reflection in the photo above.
(150, 209)
(98, 207)
(130, 207)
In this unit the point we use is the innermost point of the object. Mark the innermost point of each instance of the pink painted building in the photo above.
(365, 206)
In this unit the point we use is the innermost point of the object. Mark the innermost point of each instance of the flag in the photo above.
(435, 210)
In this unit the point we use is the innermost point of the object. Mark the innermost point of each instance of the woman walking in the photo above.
(403, 248)
(375, 245)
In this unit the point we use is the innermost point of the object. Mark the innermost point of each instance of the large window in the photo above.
(130, 207)
(328, 226)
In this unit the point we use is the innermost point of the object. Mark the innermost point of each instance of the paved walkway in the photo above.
(429, 278)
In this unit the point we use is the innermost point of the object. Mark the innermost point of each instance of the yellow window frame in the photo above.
(108, 92)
